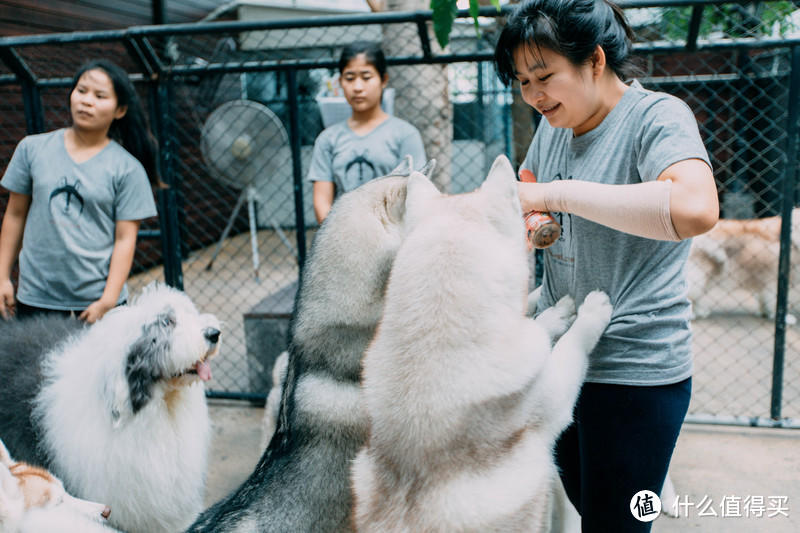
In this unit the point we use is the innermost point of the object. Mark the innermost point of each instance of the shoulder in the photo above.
(123, 157)
(39, 145)
(37, 140)
(333, 132)
(44, 137)
(659, 104)
(666, 132)
(123, 164)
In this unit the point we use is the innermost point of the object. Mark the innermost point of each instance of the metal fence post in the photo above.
(297, 170)
(31, 97)
(789, 182)
(167, 197)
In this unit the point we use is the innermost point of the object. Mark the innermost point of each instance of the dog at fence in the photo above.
(464, 393)
(116, 410)
(301, 483)
(735, 267)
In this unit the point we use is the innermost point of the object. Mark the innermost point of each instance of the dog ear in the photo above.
(419, 191)
(428, 169)
(404, 168)
(502, 182)
(501, 176)
(146, 358)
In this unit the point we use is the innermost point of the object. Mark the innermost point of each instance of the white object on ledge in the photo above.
(336, 109)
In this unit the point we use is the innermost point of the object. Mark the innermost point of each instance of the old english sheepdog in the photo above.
(116, 410)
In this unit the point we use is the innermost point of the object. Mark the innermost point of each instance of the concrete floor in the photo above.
(716, 464)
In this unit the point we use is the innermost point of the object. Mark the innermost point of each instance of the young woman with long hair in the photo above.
(77, 197)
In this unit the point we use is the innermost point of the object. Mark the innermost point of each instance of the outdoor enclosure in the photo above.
(236, 107)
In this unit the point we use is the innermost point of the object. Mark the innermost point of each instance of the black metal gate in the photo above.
(236, 244)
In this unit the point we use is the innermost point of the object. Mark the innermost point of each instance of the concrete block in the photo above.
(266, 332)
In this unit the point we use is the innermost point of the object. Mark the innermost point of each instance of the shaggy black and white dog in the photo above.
(116, 410)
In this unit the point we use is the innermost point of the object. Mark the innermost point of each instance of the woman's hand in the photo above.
(96, 310)
(7, 302)
(531, 196)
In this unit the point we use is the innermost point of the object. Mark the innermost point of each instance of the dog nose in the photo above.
(212, 334)
(106, 512)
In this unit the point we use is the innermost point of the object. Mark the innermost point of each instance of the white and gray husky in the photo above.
(465, 394)
(301, 483)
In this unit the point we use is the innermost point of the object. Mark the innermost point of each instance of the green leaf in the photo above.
(473, 11)
(444, 13)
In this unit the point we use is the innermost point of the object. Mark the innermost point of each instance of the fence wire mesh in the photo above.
(237, 106)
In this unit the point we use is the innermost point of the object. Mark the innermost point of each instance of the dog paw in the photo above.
(596, 305)
(533, 301)
(558, 318)
(565, 306)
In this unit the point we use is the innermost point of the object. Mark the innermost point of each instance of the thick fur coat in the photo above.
(301, 483)
(116, 410)
(466, 395)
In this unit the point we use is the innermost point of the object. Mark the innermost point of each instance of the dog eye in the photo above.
(167, 321)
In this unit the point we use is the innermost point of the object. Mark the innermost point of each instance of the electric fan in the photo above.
(244, 145)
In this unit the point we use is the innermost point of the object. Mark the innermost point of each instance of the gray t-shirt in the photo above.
(69, 231)
(648, 340)
(349, 160)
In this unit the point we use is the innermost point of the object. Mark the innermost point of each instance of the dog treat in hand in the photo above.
(543, 230)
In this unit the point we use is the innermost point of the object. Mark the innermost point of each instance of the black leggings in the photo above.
(29, 310)
(620, 442)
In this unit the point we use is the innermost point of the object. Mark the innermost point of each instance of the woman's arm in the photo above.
(118, 270)
(10, 245)
(324, 192)
(693, 200)
(680, 204)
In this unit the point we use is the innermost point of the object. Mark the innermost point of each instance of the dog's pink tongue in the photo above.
(203, 370)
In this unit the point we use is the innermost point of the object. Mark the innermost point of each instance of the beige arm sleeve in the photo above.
(640, 209)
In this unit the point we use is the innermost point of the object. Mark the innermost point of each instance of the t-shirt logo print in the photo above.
(565, 219)
(364, 168)
(73, 200)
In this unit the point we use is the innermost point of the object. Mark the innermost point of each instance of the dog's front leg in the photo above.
(566, 367)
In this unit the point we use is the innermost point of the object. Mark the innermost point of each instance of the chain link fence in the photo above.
(236, 107)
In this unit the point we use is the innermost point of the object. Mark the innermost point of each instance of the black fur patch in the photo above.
(24, 345)
(145, 364)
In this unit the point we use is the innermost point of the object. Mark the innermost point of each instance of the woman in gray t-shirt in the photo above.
(367, 145)
(77, 196)
(625, 172)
